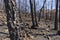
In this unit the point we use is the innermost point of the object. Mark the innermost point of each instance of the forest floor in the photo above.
(43, 32)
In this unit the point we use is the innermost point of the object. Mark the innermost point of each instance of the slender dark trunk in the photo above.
(35, 14)
(31, 8)
(59, 12)
(59, 17)
(56, 15)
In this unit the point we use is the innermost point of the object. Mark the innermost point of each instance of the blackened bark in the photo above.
(12, 13)
(31, 8)
(35, 14)
(10, 19)
(59, 12)
(56, 15)
(7, 8)
(59, 17)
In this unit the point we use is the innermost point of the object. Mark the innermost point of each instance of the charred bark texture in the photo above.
(35, 14)
(10, 19)
(59, 17)
(56, 15)
(31, 8)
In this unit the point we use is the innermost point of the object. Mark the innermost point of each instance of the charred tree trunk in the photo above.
(59, 12)
(59, 17)
(7, 8)
(35, 14)
(12, 13)
(10, 19)
(31, 8)
(56, 15)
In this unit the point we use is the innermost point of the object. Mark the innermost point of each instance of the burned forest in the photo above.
(29, 19)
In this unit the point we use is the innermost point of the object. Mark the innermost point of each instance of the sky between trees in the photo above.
(39, 3)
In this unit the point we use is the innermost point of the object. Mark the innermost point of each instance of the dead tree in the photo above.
(10, 19)
(41, 10)
(59, 12)
(32, 16)
(59, 17)
(35, 14)
(56, 15)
